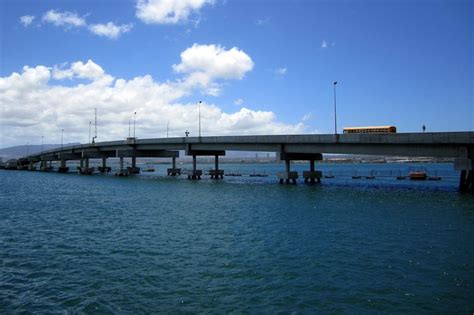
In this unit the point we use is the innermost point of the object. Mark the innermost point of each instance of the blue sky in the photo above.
(405, 63)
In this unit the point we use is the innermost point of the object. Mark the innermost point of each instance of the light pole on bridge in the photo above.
(62, 138)
(200, 119)
(335, 112)
(134, 121)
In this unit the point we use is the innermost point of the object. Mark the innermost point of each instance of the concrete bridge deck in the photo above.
(458, 145)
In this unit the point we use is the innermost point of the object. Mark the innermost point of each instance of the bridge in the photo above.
(308, 147)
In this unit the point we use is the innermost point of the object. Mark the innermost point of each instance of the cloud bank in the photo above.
(41, 100)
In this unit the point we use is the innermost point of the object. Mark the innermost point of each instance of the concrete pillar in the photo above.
(86, 160)
(81, 163)
(216, 173)
(311, 165)
(173, 171)
(134, 161)
(104, 162)
(121, 163)
(62, 167)
(466, 180)
(195, 173)
(287, 175)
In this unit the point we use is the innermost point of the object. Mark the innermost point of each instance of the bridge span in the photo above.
(310, 147)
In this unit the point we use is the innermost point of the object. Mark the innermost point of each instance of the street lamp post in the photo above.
(335, 112)
(90, 124)
(200, 119)
(62, 138)
(42, 143)
(134, 119)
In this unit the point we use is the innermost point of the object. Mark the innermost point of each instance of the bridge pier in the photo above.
(62, 167)
(312, 176)
(173, 171)
(216, 173)
(85, 169)
(133, 169)
(121, 171)
(194, 173)
(466, 180)
(31, 166)
(287, 175)
(104, 168)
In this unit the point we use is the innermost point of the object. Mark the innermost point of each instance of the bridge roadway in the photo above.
(457, 145)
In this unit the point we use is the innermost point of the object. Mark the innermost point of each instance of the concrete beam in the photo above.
(299, 156)
(147, 153)
(205, 152)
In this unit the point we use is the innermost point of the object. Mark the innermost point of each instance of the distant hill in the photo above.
(22, 150)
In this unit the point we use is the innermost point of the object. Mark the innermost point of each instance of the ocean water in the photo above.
(150, 243)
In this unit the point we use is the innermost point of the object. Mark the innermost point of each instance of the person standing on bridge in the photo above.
(423, 128)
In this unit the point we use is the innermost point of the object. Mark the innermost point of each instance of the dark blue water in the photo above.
(103, 244)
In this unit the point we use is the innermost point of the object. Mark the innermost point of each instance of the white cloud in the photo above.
(280, 71)
(70, 19)
(109, 29)
(307, 117)
(324, 44)
(65, 18)
(204, 64)
(261, 22)
(89, 71)
(33, 105)
(238, 102)
(26, 20)
(168, 11)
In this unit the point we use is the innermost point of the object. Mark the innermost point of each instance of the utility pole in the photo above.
(335, 112)
(200, 119)
(129, 128)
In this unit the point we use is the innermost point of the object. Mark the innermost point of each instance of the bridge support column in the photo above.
(287, 175)
(312, 176)
(195, 173)
(44, 166)
(104, 168)
(31, 166)
(466, 180)
(216, 173)
(121, 171)
(173, 171)
(85, 169)
(133, 169)
(62, 167)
